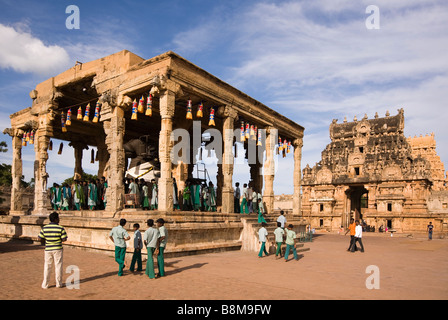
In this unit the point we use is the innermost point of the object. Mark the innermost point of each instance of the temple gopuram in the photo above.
(127, 108)
(372, 172)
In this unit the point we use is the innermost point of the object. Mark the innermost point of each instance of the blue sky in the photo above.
(312, 61)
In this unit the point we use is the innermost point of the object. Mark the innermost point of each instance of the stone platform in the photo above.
(189, 232)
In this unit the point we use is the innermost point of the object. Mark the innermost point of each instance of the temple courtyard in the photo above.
(405, 269)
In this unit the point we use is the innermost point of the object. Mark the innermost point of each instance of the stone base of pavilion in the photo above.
(189, 232)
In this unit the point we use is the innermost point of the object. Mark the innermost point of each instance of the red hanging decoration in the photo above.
(64, 129)
(211, 122)
(87, 113)
(199, 114)
(149, 106)
(69, 117)
(97, 112)
(134, 110)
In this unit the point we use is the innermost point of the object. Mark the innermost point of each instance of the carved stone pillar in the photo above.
(269, 169)
(297, 178)
(78, 150)
(103, 156)
(16, 172)
(41, 198)
(165, 183)
(227, 200)
(114, 128)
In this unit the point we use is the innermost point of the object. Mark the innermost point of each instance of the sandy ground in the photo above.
(408, 269)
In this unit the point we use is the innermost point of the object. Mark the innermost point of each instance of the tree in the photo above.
(3, 146)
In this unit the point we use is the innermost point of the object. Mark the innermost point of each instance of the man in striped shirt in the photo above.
(52, 235)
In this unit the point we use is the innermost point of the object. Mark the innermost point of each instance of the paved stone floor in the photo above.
(408, 269)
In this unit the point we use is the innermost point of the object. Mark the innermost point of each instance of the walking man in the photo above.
(352, 230)
(119, 236)
(282, 219)
(430, 229)
(52, 235)
(358, 237)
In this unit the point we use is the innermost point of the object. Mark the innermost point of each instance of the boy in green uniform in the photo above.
(163, 236)
(150, 239)
(138, 246)
(279, 233)
(119, 235)
(262, 237)
(290, 237)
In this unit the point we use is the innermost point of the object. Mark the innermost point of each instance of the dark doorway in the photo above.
(359, 198)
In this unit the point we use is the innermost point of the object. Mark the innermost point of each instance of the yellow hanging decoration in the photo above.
(134, 110)
(149, 106)
(64, 129)
(69, 117)
(247, 131)
(27, 136)
(243, 135)
(288, 150)
(189, 115)
(252, 131)
(284, 148)
(259, 138)
(141, 107)
(79, 116)
(199, 114)
(211, 122)
(97, 112)
(24, 140)
(87, 113)
(32, 137)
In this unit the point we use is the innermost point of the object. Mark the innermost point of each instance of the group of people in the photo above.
(248, 200)
(143, 194)
(154, 239)
(198, 196)
(52, 235)
(79, 195)
(282, 234)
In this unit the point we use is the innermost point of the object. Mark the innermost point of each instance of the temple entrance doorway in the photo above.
(358, 199)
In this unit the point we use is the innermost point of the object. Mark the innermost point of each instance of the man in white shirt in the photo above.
(358, 237)
(282, 219)
(262, 237)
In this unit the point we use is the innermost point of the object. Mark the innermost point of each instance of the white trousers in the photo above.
(54, 256)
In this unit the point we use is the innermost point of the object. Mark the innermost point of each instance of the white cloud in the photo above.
(22, 52)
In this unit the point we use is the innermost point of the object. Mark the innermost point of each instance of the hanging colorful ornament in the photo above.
(259, 138)
(50, 145)
(69, 117)
(64, 129)
(252, 131)
(199, 114)
(149, 106)
(243, 135)
(247, 131)
(96, 156)
(92, 156)
(24, 140)
(255, 132)
(211, 122)
(97, 112)
(134, 110)
(79, 116)
(141, 107)
(87, 113)
(27, 136)
(284, 148)
(189, 114)
(61, 146)
(32, 137)
(280, 144)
